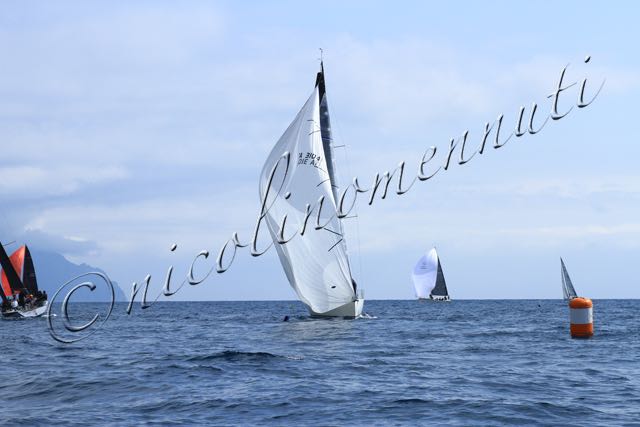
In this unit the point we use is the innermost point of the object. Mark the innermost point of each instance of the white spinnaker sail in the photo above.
(425, 274)
(316, 263)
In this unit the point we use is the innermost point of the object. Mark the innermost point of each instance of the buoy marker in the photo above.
(581, 317)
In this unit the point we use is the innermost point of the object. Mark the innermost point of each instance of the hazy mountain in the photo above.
(53, 270)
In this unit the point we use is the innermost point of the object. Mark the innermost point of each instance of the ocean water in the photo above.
(237, 363)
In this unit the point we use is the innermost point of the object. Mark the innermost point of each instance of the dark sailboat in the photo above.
(19, 286)
(428, 278)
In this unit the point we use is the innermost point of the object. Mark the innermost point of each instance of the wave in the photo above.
(190, 367)
(367, 316)
(411, 401)
(235, 356)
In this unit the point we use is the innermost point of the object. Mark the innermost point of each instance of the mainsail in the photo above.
(10, 278)
(7, 271)
(18, 272)
(440, 289)
(568, 291)
(428, 278)
(316, 263)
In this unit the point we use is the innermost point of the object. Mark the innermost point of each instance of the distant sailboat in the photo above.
(580, 308)
(316, 263)
(568, 291)
(428, 278)
(19, 287)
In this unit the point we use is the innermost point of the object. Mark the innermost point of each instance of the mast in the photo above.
(327, 146)
(325, 130)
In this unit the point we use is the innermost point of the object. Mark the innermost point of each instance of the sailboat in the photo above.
(316, 263)
(568, 292)
(428, 278)
(19, 287)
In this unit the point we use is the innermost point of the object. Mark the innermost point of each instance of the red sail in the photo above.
(5, 285)
(17, 260)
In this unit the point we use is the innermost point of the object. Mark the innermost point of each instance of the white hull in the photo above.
(35, 312)
(351, 309)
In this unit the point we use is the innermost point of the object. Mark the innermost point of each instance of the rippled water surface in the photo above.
(221, 363)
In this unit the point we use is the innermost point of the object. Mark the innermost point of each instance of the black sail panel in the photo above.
(325, 129)
(29, 273)
(440, 289)
(3, 256)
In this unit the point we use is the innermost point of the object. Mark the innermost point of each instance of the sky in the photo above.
(126, 127)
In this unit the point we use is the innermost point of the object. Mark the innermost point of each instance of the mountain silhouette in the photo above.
(53, 270)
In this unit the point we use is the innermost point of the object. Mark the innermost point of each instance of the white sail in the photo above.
(316, 263)
(568, 292)
(425, 274)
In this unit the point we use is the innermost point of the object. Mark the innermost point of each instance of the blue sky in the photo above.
(126, 127)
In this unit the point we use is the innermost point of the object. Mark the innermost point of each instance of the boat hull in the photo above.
(35, 312)
(351, 310)
(436, 299)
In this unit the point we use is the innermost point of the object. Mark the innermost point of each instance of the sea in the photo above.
(465, 362)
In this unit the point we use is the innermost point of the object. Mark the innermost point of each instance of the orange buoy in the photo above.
(581, 317)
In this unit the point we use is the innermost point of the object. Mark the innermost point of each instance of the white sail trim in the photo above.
(425, 274)
(316, 263)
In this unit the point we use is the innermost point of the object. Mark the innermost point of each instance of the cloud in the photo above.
(152, 224)
(39, 239)
(549, 212)
(127, 127)
(573, 187)
(573, 231)
(64, 245)
(33, 182)
(429, 85)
